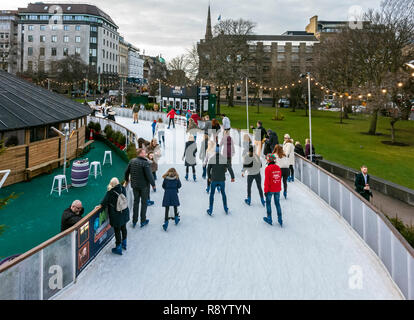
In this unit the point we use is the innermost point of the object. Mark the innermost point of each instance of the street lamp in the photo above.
(308, 75)
(67, 134)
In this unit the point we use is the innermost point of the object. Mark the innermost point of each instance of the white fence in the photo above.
(373, 227)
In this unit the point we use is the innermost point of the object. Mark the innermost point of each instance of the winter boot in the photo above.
(279, 219)
(268, 220)
(248, 201)
(208, 189)
(186, 177)
(176, 219)
(285, 194)
(165, 225)
(292, 178)
(150, 203)
(143, 224)
(117, 250)
(134, 224)
(226, 210)
(289, 179)
(195, 178)
(263, 202)
(209, 212)
(124, 244)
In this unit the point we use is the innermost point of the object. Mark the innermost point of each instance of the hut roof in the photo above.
(24, 105)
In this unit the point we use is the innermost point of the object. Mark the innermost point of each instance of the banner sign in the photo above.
(92, 236)
(203, 91)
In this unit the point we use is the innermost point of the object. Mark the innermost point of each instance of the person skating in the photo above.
(153, 126)
(210, 152)
(160, 129)
(226, 122)
(202, 153)
(272, 188)
(246, 144)
(215, 129)
(283, 162)
(192, 128)
(195, 117)
(270, 142)
(187, 116)
(135, 110)
(171, 184)
(260, 135)
(227, 146)
(289, 151)
(252, 165)
(171, 115)
(216, 172)
(141, 179)
(116, 203)
(362, 183)
(190, 156)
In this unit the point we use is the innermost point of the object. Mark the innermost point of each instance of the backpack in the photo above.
(121, 202)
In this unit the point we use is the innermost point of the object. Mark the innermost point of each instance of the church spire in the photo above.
(209, 34)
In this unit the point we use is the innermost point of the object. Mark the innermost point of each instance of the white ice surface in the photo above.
(236, 256)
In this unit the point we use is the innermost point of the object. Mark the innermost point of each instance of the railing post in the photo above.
(73, 242)
(319, 183)
(41, 274)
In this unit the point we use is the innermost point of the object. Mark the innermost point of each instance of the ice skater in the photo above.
(160, 129)
(189, 157)
(283, 162)
(252, 165)
(272, 188)
(171, 115)
(171, 184)
(210, 152)
(216, 172)
(153, 126)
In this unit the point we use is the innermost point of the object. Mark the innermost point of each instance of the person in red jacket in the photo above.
(195, 117)
(272, 188)
(171, 115)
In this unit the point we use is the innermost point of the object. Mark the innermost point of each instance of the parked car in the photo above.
(358, 109)
(286, 102)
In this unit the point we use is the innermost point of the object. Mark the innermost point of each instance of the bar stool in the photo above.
(59, 178)
(95, 165)
(107, 153)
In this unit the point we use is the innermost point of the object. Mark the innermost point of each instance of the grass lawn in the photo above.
(341, 143)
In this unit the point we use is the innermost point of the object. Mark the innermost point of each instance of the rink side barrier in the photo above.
(372, 226)
(44, 271)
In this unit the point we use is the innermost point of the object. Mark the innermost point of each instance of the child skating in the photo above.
(171, 184)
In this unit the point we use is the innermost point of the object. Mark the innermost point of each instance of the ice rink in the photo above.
(316, 255)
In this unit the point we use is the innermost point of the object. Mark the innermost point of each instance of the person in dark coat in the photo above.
(72, 215)
(171, 184)
(117, 219)
(203, 153)
(141, 179)
(271, 141)
(216, 172)
(260, 134)
(190, 156)
(362, 183)
(299, 149)
(215, 129)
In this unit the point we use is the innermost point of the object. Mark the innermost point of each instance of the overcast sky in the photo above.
(170, 27)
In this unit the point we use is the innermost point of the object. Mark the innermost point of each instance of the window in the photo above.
(65, 52)
(295, 57)
(66, 39)
(42, 38)
(281, 57)
(54, 52)
(267, 48)
(29, 65)
(30, 38)
(103, 53)
(93, 29)
(295, 49)
(66, 27)
(103, 41)
(93, 39)
(77, 28)
(78, 51)
(309, 49)
(54, 27)
(41, 67)
(42, 51)
(30, 51)
(92, 52)
(280, 48)
(42, 28)
(37, 134)
(30, 28)
(54, 38)
(252, 48)
(77, 39)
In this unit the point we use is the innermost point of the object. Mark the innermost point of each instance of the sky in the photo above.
(170, 27)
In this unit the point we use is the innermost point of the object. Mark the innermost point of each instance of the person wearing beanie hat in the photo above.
(272, 188)
(216, 173)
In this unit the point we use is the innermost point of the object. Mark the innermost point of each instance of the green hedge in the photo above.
(406, 231)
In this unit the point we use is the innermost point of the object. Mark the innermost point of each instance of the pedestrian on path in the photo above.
(189, 156)
(171, 115)
(362, 183)
(299, 149)
(289, 150)
(283, 163)
(272, 188)
(216, 172)
(141, 179)
(252, 165)
(171, 185)
(116, 204)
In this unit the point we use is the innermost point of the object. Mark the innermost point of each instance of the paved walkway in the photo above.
(236, 256)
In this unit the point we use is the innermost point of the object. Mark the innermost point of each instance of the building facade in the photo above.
(135, 65)
(8, 41)
(123, 58)
(50, 32)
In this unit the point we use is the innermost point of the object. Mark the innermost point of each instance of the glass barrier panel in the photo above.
(306, 173)
(346, 204)
(371, 229)
(357, 215)
(385, 245)
(400, 274)
(324, 186)
(22, 281)
(298, 169)
(314, 179)
(411, 272)
(57, 266)
(335, 194)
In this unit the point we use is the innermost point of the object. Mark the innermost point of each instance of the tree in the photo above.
(192, 63)
(177, 71)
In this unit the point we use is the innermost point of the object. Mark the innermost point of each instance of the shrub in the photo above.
(108, 131)
(98, 127)
(12, 141)
(91, 125)
(149, 106)
(279, 117)
(131, 151)
(121, 139)
(406, 231)
(115, 136)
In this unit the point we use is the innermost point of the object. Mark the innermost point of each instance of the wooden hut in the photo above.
(27, 113)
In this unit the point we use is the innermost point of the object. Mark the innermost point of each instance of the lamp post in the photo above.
(67, 133)
(308, 75)
(201, 97)
(247, 105)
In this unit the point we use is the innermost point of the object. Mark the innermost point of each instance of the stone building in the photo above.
(123, 58)
(8, 41)
(49, 32)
